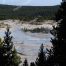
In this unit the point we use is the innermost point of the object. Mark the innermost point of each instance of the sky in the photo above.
(31, 2)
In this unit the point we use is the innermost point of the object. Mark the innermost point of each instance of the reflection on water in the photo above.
(20, 36)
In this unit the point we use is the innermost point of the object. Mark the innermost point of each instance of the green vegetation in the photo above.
(37, 30)
(8, 54)
(59, 40)
(41, 60)
(27, 13)
(1, 43)
(25, 63)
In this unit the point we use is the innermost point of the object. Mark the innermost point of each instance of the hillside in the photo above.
(27, 12)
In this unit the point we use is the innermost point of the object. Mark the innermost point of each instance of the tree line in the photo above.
(27, 13)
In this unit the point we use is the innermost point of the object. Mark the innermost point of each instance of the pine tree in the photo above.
(1, 44)
(8, 53)
(41, 60)
(25, 63)
(50, 58)
(32, 64)
(59, 33)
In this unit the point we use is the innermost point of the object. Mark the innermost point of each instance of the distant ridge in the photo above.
(11, 11)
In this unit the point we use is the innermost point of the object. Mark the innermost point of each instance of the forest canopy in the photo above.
(27, 12)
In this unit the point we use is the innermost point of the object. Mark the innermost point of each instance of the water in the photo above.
(27, 44)
(21, 36)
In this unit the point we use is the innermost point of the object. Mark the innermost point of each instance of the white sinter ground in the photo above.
(27, 44)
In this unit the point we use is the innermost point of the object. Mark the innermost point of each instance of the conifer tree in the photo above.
(50, 58)
(59, 33)
(8, 53)
(25, 62)
(32, 64)
(41, 60)
(1, 44)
